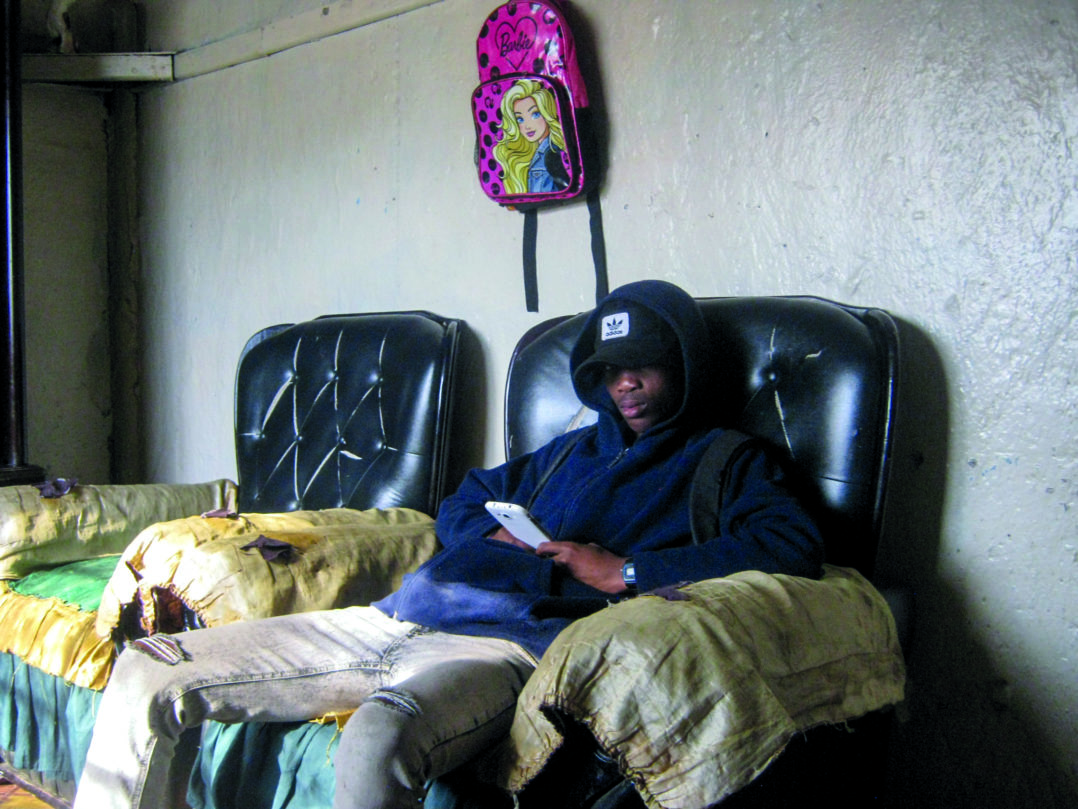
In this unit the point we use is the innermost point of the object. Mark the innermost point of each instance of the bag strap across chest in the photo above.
(705, 499)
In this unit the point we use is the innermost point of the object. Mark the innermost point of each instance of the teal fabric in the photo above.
(264, 766)
(248, 766)
(45, 722)
(78, 583)
(279, 766)
(30, 735)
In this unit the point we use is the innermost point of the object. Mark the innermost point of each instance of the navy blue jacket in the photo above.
(627, 493)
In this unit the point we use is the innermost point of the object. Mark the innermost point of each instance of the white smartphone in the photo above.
(520, 523)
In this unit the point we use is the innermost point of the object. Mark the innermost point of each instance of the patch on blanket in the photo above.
(696, 697)
(213, 570)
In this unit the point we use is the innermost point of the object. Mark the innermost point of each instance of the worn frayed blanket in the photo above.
(695, 697)
(92, 521)
(214, 570)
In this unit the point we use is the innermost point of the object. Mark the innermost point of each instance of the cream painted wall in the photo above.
(913, 155)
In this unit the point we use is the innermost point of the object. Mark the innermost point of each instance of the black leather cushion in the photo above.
(346, 410)
(815, 378)
(539, 399)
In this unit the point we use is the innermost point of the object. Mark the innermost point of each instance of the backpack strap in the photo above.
(598, 245)
(705, 497)
(598, 252)
(531, 280)
(552, 467)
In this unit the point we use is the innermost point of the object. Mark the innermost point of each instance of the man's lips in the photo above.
(631, 407)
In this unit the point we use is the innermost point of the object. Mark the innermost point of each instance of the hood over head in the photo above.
(639, 324)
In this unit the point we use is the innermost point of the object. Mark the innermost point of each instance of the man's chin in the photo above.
(638, 424)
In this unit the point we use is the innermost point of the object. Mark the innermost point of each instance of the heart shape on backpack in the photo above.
(515, 42)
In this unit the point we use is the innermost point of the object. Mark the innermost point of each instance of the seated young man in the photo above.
(435, 668)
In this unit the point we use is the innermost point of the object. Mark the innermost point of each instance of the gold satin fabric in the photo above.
(343, 557)
(55, 637)
(92, 521)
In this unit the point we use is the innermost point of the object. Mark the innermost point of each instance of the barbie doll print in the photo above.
(530, 151)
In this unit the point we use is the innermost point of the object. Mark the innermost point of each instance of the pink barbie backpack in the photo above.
(533, 123)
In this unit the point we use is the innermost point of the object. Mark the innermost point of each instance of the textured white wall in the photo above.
(913, 155)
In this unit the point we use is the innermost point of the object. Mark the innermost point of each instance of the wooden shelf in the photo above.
(92, 68)
(328, 19)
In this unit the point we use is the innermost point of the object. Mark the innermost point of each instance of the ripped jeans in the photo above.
(427, 702)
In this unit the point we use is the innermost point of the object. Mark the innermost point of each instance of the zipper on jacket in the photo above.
(617, 458)
(581, 493)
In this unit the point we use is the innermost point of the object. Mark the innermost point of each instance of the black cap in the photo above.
(629, 335)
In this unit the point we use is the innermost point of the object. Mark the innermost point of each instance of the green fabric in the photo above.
(78, 583)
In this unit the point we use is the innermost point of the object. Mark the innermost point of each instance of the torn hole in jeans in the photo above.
(396, 700)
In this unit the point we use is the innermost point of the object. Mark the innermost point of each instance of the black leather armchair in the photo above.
(816, 380)
(346, 410)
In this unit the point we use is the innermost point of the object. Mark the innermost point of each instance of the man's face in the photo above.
(644, 396)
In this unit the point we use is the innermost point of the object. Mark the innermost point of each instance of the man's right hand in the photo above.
(503, 535)
(589, 563)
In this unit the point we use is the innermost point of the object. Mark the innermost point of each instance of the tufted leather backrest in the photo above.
(346, 410)
(814, 378)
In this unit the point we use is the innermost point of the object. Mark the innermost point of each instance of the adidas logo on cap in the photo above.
(616, 325)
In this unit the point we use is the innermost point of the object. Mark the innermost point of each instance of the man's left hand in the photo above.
(589, 563)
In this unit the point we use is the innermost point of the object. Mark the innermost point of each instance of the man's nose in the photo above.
(627, 380)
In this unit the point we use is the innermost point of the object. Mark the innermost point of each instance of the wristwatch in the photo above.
(628, 573)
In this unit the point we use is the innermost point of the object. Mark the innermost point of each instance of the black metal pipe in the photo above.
(13, 466)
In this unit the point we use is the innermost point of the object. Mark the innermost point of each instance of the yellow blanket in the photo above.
(56, 637)
(92, 521)
(338, 557)
(694, 698)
